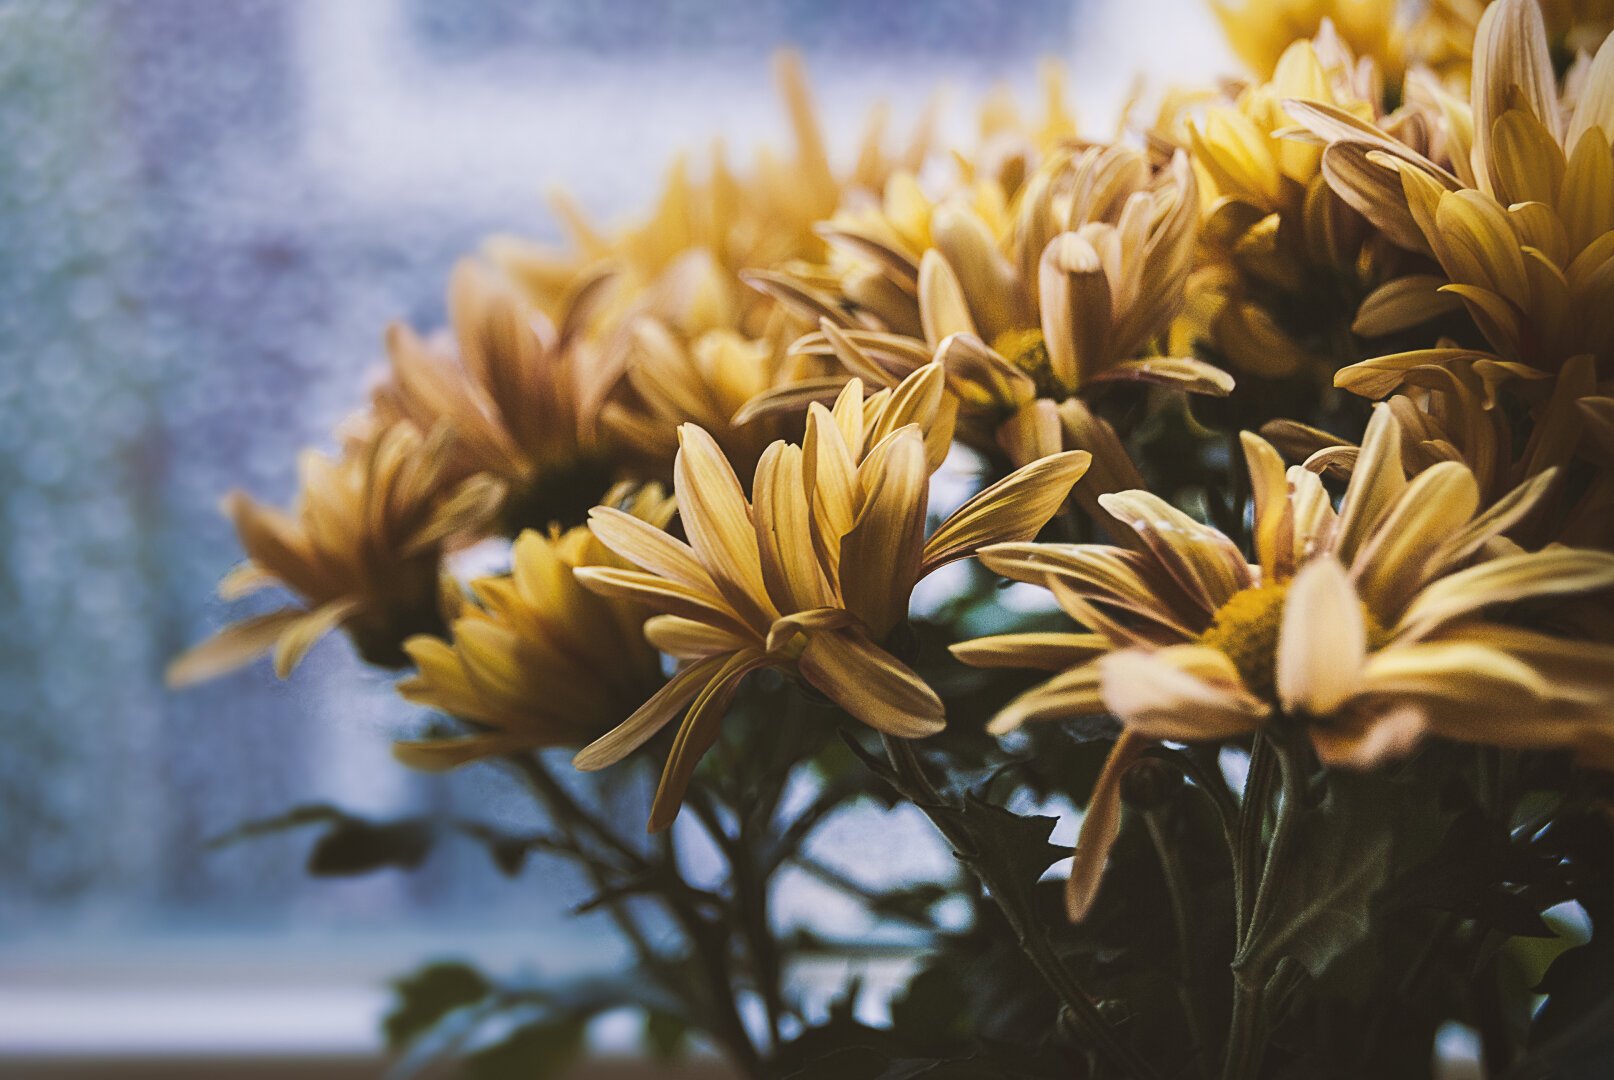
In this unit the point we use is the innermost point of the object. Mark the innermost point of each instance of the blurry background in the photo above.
(209, 209)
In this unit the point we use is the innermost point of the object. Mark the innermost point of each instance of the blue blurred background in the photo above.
(209, 209)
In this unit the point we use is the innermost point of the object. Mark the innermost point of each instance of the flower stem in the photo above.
(1031, 935)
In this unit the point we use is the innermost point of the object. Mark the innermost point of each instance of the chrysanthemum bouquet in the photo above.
(1291, 411)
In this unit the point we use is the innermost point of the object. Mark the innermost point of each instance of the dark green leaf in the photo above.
(427, 996)
(533, 1051)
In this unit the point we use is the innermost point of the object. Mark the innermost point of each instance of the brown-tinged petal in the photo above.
(1185, 692)
(1043, 650)
(653, 715)
(1101, 824)
(697, 734)
(232, 647)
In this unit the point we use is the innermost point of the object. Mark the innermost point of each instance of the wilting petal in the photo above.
(1101, 824)
(1323, 640)
(652, 716)
(871, 684)
(1186, 692)
(1047, 650)
(1553, 572)
(1177, 372)
(696, 736)
(1015, 508)
(234, 646)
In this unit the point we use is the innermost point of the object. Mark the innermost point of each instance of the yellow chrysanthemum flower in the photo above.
(1442, 36)
(1522, 225)
(520, 397)
(1402, 615)
(1261, 30)
(810, 576)
(362, 551)
(538, 660)
(1074, 288)
(1283, 262)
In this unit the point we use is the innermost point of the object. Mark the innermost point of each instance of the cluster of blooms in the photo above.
(1417, 213)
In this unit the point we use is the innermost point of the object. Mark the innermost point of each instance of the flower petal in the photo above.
(1046, 650)
(1015, 508)
(715, 515)
(871, 684)
(880, 555)
(652, 716)
(1529, 575)
(1189, 693)
(234, 646)
(1101, 824)
(697, 734)
(1323, 640)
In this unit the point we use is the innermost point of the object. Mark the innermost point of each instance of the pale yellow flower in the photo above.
(537, 660)
(1400, 616)
(520, 397)
(1522, 224)
(809, 576)
(361, 551)
(1072, 288)
(1260, 30)
(1442, 36)
(1284, 262)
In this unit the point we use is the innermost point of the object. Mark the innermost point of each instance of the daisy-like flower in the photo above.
(1399, 616)
(361, 551)
(1522, 224)
(520, 396)
(1442, 36)
(1261, 30)
(810, 576)
(1284, 262)
(537, 660)
(1075, 289)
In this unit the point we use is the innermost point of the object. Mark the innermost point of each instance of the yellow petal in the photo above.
(688, 639)
(1068, 695)
(1187, 692)
(1200, 559)
(296, 639)
(1047, 650)
(1013, 509)
(942, 307)
(718, 522)
(661, 594)
(784, 531)
(652, 716)
(644, 545)
(234, 646)
(1398, 558)
(880, 555)
(1402, 303)
(871, 684)
(1101, 824)
(1323, 640)
(1458, 673)
(1552, 572)
(1274, 522)
(440, 755)
(1376, 482)
(697, 734)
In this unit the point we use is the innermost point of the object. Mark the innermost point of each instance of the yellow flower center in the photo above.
(1027, 350)
(1245, 630)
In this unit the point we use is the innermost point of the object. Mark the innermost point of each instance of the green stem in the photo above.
(1294, 793)
(1252, 822)
(1177, 890)
(1030, 934)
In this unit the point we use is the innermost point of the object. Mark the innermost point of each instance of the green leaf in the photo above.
(1009, 850)
(427, 996)
(355, 846)
(533, 1051)
(1343, 853)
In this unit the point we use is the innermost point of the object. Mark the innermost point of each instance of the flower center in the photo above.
(1245, 630)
